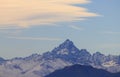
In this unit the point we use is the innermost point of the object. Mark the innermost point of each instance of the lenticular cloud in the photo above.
(25, 13)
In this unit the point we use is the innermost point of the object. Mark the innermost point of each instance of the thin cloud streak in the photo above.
(11, 28)
(26, 13)
(76, 27)
(36, 38)
(110, 32)
(109, 46)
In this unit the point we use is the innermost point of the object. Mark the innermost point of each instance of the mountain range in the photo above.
(66, 54)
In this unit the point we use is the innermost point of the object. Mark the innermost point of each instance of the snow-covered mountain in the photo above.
(65, 54)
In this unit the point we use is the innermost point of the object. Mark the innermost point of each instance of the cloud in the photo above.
(11, 28)
(76, 27)
(36, 38)
(26, 13)
(110, 32)
(110, 46)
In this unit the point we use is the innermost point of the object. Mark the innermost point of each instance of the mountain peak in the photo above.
(98, 53)
(67, 44)
(68, 40)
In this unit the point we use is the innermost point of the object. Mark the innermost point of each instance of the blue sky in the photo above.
(90, 24)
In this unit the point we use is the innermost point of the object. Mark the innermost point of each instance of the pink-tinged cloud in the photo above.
(25, 13)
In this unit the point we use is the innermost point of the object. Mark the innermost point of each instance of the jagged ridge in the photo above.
(65, 54)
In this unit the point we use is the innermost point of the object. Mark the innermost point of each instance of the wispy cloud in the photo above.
(36, 38)
(11, 28)
(26, 13)
(76, 27)
(110, 46)
(110, 32)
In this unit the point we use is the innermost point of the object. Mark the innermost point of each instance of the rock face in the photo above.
(65, 54)
(2, 60)
(82, 71)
